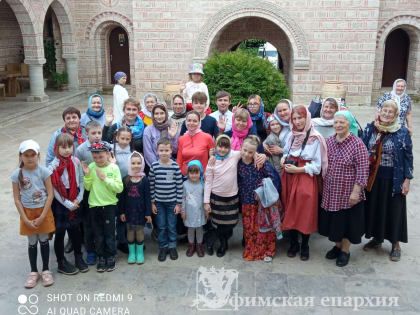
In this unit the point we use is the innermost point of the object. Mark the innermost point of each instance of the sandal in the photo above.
(32, 280)
(47, 278)
(395, 254)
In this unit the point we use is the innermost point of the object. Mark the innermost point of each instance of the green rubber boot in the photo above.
(131, 253)
(139, 255)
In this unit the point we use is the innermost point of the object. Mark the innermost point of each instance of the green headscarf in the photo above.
(350, 118)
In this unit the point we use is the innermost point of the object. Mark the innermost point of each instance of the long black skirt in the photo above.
(345, 223)
(386, 215)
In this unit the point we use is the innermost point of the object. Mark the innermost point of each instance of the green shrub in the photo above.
(242, 75)
(60, 78)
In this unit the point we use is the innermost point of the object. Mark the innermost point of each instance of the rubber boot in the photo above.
(140, 255)
(131, 253)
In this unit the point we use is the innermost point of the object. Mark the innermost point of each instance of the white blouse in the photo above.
(312, 152)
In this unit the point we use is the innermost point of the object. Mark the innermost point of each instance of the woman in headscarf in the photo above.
(161, 127)
(180, 112)
(149, 101)
(305, 156)
(403, 101)
(325, 124)
(96, 111)
(341, 217)
(390, 172)
(120, 95)
(255, 107)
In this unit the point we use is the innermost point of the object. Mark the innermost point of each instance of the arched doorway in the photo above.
(119, 52)
(397, 47)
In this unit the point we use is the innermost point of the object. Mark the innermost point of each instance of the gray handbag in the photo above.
(267, 193)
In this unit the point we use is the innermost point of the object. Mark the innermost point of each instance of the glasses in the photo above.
(253, 104)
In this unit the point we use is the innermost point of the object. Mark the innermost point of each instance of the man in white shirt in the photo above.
(223, 101)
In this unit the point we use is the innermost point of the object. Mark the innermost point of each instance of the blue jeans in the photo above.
(166, 222)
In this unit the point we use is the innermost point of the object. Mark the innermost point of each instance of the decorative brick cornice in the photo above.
(263, 9)
(108, 16)
(396, 21)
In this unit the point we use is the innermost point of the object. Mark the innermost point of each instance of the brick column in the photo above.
(36, 81)
(72, 71)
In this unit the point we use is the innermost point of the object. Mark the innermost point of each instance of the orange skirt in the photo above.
(300, 200)
(46, 227)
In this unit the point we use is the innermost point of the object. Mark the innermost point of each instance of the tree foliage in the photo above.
(243, 75)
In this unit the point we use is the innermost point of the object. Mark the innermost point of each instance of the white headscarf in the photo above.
(282, 122)
(397, 98)
(321, 121)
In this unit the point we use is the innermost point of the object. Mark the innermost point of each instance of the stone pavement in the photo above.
(171, 287)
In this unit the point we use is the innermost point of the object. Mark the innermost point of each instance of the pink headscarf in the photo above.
(299, 136)
(238, 136)
(139, 173)
(195, 131)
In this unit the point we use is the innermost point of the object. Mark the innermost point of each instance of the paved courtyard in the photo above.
(284, 286)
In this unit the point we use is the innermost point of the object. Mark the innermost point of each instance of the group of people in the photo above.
(110, 173)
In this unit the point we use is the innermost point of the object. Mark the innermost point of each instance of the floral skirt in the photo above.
(258, 245)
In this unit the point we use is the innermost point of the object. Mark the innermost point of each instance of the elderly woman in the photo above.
(403, 101)
(325, 124)
(161, 127)
(255, 107)
(180, 112)
(341, 217)
(120, 95)
(129, 119)
(96, 111)
(149, 101)
(305, 156)
(390, 173)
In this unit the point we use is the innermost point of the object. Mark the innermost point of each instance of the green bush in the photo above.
(60, 78)
(242, 75)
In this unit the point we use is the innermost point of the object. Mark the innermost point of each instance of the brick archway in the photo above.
(411, 25)
(213, 29)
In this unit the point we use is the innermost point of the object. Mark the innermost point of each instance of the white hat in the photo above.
(29, 145)
(196, 68)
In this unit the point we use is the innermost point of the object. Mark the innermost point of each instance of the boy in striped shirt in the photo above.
(166, 193)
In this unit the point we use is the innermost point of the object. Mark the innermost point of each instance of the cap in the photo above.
(196, 68)
(29, 145)
(100, 146)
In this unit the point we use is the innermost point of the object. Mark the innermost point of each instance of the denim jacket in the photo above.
(402, 155)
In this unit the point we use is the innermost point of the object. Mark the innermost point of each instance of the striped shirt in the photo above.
(166, 182)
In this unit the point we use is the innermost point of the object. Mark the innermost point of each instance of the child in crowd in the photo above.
(273, 143)
(258, 245)
(67, 180)
(223, 101)
(166, 192)
(135, 206)
(122, 152)
(33, 195)
(192, 210)
(93, 131)
(149, 101)
(103, 180)
(195, 85)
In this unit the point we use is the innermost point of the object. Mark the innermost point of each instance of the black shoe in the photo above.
(162, 254)
(173, 254)
(293, 249)
(123, 248)
(80, 263)
(221, 251)
(101, 265)
(209, 249)
(66, 267)
(304, 252)
(342, 259)
(69, 247)
(110, 264)
(333, 253)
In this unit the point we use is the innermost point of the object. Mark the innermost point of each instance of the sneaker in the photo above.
(32, 280)
(395, 254)
(110, 264)
(80, 263)
(66, 267)
(372, 244)
(333, 253)
(162, 254)
(47, 278)
(101, 265)
(91, 258)
(342, 259)
(173, 254)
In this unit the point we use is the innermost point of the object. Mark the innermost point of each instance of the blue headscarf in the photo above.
(197, 163)
(350, 118)
(90, 111)
(118, 76)
(260, 114)
(137, 129)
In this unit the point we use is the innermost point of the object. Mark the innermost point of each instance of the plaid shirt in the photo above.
(347, 166)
